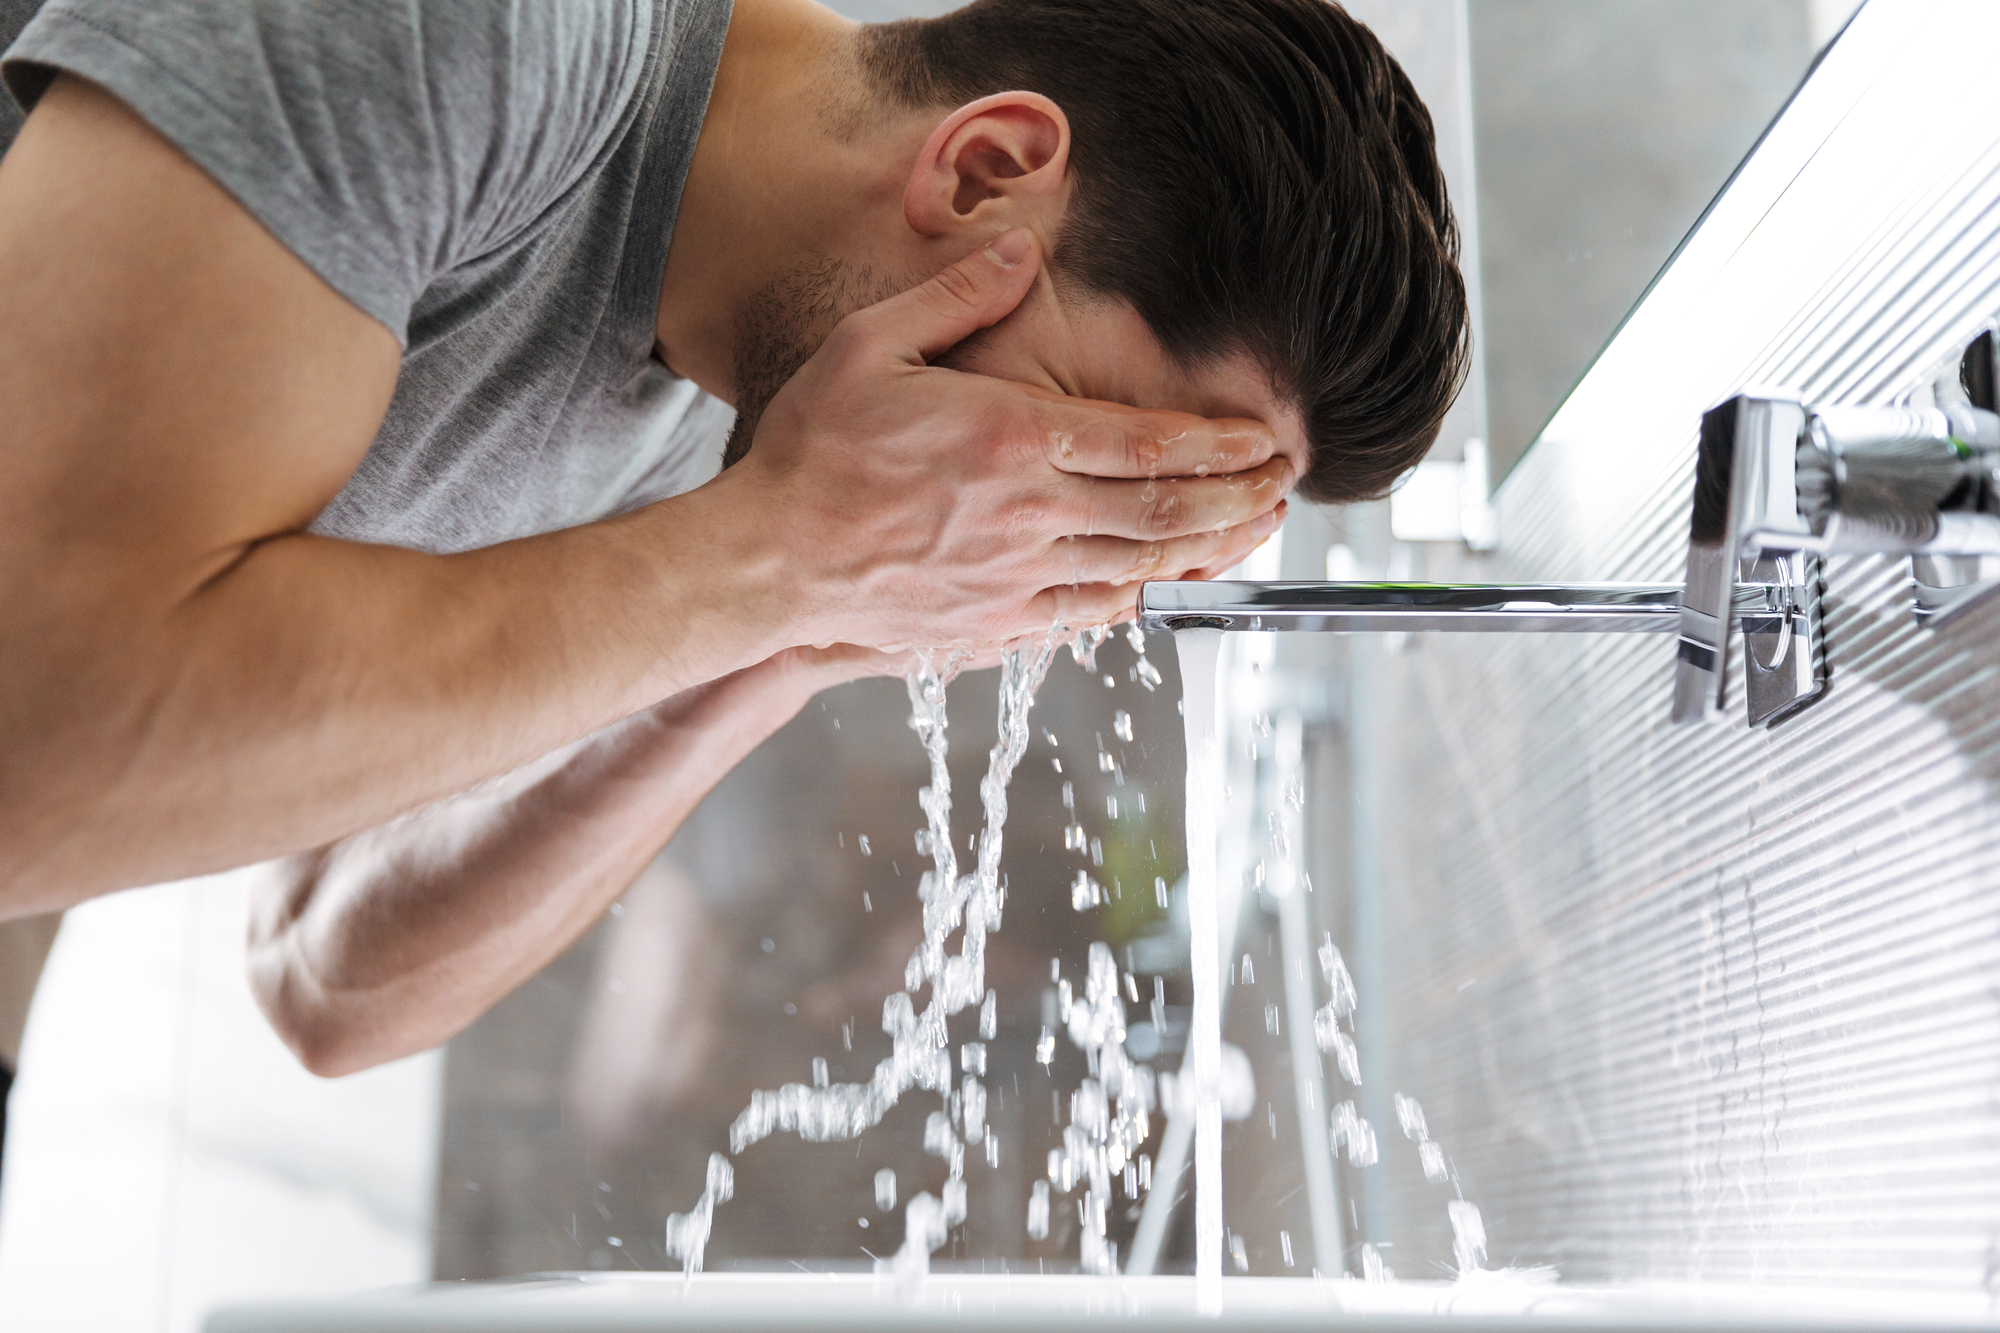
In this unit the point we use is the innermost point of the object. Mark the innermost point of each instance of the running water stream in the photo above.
(1199, 649)
(1110, 1111)
(920, 1055)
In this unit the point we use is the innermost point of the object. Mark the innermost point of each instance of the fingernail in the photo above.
(1011, 247)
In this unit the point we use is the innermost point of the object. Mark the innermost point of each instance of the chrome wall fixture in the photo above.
(1779, 615)
(1779, 485)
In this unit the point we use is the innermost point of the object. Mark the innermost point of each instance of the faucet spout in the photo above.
(1360, 608)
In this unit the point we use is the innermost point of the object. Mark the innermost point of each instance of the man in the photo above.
(350, 356)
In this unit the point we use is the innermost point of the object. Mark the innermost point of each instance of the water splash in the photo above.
(926, 1223)
(1038, 1211)
(1372, 1267)
(920, 1054)
(1354, 1134)
(1410, 1115)
(1468, 1236)
(1110, 1112)
(687, 1233)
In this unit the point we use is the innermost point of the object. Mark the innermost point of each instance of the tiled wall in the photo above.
(1718, 1003)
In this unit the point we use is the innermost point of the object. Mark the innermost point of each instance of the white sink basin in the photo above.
(588, 1302)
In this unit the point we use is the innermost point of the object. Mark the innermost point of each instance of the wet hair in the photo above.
(1252, 176)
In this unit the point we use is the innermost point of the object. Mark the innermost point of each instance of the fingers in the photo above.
(1082, 560)
(1112, 440)
(832, 664)
(979, 290)
(1108, 593)
(1169, 507)
(1085, 604)
(1242, 541)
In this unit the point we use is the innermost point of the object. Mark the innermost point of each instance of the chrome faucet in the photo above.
(1766, 610)
(1779, 485)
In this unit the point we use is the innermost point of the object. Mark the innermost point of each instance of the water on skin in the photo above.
(1198, 649)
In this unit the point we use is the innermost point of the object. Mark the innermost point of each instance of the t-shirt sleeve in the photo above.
(382, 141)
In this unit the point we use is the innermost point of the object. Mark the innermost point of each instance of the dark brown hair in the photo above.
(1251, 175)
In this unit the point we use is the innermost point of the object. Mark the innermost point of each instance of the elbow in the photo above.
(330, 1035)
(332, 1030)
(326, 1041)
(329, 1049)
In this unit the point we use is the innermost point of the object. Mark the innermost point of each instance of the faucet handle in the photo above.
(1745, 502)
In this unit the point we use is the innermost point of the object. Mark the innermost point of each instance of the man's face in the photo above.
(1080, 345)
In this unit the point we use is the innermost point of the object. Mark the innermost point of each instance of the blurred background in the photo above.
(154, 1119)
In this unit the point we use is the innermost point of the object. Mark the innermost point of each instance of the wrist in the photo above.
(745, 567)
(707, 586)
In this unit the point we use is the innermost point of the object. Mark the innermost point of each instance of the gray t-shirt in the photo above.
(495, 181)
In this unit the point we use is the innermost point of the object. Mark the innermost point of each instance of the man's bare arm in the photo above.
(392, 941)
(193, 682)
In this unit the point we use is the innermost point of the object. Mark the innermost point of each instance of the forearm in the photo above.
(315, 688)
(393, 940)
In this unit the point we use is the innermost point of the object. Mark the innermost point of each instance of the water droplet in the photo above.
(1468, 1235)
(1038, 1211)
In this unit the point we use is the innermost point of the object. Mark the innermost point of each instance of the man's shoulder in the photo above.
(383, 141)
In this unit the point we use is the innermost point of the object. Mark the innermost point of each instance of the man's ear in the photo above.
(1003, 158)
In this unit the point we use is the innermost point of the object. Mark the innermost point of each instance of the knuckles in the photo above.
(1167, 514)
(1145, 455)
(1151, 560)
(1025, 517)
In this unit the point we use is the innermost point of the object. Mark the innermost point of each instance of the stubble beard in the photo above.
(783, 325)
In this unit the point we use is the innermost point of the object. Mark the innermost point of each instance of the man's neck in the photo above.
(790, 162)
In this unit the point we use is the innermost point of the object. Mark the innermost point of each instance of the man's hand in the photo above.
(919, 505)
